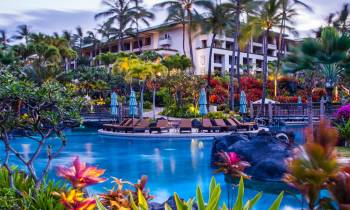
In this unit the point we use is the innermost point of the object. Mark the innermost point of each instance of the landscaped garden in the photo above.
(77, 131)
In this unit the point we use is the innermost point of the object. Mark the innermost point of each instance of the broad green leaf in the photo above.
(133, 204)
(200, 201)
(142, 201)
(99, 204)
(167, 207)
(276, 204)
(212, 186)
(239, 201)
(179, 203)
(214, 199)
(250, 204)
(224, 207)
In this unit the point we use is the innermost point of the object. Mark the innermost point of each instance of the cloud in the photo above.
(49, 21)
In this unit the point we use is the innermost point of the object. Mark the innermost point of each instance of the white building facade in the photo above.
(168, 40)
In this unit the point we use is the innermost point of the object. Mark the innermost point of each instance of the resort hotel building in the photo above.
(167, 39)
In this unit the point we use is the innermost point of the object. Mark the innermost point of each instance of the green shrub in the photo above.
(180, 112)
(147, 105)
(344, 131)
(9, 199)
(216, 115)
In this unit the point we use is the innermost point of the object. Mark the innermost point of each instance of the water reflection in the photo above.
(159, 161)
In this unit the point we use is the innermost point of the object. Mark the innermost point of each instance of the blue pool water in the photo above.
(170, 164)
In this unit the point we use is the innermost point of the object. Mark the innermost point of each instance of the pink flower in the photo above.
(232, 158)
(80, 175)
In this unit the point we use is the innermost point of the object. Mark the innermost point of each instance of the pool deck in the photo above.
(175, 134)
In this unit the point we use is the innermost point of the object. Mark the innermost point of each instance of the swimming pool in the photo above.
(170, 164)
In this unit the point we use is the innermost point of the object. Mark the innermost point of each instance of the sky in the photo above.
(55, 16)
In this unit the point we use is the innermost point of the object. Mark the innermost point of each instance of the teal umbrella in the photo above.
(299, 100)
(203, 102)
(114, 104)
(132, 103)
(243, 103)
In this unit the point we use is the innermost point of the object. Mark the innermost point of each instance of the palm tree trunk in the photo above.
(279, 52)
(184, 37)
(141, 99)
(190, 38)
(248, 56)
(265, 45)
(209, 66)
(154, 101)
(238, 26)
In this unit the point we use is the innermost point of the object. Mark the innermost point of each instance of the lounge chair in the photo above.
(231, 124)
(208, 126)
(223, 126)
(185, 125)
(116, 127)
(142, 126)
(245, 125)
(130, 127)
(162, 125)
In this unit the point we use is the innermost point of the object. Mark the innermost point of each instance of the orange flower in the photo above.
(80, 175)
(74, 200)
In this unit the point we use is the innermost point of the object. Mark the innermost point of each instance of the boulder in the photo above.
(263, 151)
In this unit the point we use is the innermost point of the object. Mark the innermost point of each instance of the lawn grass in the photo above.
(344, 151)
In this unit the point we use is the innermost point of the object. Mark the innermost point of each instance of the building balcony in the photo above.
(165, 41)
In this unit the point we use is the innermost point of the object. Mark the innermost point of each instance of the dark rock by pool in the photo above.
(263, 151)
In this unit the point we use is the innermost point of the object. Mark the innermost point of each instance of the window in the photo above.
(229, 45)
(230, 59)
(147, 41)
(114, 48)
(270, 52)
(104, 50)
(136, 45)
(166, 36)
(126, 46)
(259, 63)
(204, 44)
(217, 44)
(218, 58)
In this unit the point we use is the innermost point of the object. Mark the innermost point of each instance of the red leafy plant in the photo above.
(230, 164)
(80, 176)
(314, 163)
(120, 198)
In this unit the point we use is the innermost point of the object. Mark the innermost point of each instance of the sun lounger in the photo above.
(231, 124)
(185, 125)
(131, 126)
(115, 127)
(162, 125)
(208, 126)
(223, 126)
(245, 125)
(142, 126)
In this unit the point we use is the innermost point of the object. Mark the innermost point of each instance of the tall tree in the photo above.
(22, 32)
(140, 15)
(79, 40)
(93, 39)
(289, 12)
(266, 17)
(188, 8)
(119, 13)
(4, 40)
(238, 7)
(216, 21)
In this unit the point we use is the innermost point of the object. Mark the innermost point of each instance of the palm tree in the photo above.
(342, 23)
(178, 16)
(311, 56)
(238, 7)
(332, 74)
(217, 21)
(93, 39)
(23, 32)
(79, 40)
(267, 17)
(289, 11)
(140, 15)
(4, 40)
(119, 13)
(188, 9)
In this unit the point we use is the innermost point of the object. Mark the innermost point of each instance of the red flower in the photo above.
(230, 164)
(80, 175)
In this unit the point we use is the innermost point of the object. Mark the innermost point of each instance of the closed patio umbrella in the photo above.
(299, 100)
(132, 104)
(243, 103)
(114, 104)
(203, 103)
